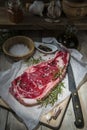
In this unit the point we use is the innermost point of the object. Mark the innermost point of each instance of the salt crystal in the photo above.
(19, 50)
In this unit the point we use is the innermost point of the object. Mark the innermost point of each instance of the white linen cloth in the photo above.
(31, 115)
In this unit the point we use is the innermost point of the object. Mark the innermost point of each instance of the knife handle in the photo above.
(79, 121)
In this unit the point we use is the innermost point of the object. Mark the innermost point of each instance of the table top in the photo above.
(10, 121)
(32, 22)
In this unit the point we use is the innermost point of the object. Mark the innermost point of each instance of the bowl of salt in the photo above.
(18, 47)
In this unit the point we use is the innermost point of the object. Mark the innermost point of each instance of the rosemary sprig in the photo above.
(53, 96)
(57, 75)
(33, 61)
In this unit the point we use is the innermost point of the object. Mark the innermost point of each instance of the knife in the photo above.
(79, 121)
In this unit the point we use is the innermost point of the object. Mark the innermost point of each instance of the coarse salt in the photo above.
(19, 50)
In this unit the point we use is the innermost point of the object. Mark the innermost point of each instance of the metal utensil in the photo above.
(79, 121)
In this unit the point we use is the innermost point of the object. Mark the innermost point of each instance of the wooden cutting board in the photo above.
(55, 122)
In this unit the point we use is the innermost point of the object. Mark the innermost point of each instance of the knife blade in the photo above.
(79, 121)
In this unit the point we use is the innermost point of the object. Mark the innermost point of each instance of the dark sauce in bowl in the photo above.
(44, 48)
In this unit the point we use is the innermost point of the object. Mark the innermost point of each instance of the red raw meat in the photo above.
(39, 80)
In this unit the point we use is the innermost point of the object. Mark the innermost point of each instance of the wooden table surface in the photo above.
(38, 23)
(9, 121)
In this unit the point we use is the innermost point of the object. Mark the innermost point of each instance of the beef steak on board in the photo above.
(38, 81)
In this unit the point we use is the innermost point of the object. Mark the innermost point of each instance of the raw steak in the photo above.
(39, 80)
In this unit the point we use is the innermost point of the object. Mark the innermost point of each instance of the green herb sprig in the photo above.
(53, 96)
(33, 61)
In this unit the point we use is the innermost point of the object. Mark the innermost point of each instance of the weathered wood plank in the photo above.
(3, 118)
(83, 99)
(34, 35)
(14, 124)
(38, 23)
